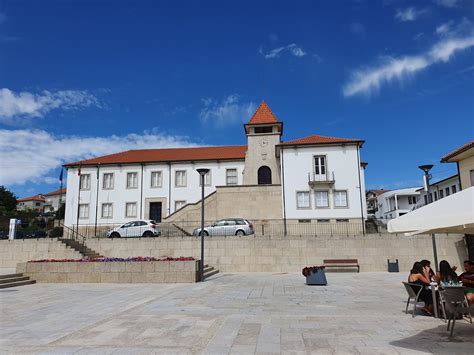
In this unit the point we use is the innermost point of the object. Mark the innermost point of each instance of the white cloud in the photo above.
(28, 105)
(366, 81)
(445, 28)
(447, 3)
(292, 48)
(36, 155)
(409, 14)
(230, 110)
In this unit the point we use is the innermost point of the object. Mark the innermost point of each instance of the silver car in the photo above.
(142, 228)
(228, 226)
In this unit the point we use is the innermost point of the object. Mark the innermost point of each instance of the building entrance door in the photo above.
(155, 211)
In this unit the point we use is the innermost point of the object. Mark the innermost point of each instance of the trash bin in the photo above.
(393, 265)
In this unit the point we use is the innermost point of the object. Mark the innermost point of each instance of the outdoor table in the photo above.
(434, 288)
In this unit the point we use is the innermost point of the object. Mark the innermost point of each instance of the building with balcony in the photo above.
(54, 200)
(439, 190)
(371, 200)
(396, 203)
(464, 158)
(318, 179)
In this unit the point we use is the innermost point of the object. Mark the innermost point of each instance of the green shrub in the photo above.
(56, 232)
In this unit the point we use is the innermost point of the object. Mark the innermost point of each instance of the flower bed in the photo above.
(108, 260)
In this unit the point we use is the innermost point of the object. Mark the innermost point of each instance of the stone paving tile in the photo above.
(228, 314)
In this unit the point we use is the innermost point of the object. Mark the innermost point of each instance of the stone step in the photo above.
(18, 283)
(211, 273)
(7, 276)
(13, 279)
(208, 268)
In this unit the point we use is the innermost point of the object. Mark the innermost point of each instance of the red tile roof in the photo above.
(317, 139)
(458, 151)
(32, 198)
(57, 192)
(168, 155)
(263, 115)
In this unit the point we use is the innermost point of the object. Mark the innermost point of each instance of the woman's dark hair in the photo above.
(417, 268)
(446, 272)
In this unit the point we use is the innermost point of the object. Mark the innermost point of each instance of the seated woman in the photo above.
(419, 275)
(446, 274)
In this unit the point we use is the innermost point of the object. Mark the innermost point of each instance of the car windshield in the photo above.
(153, 222)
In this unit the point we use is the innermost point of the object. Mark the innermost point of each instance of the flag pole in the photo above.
(96, 202)
(60, 196)
(78, 200)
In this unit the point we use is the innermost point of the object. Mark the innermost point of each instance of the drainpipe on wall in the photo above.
(96, 201)
(141, 195)
(169, 188)
(360, 192)
(283, 190)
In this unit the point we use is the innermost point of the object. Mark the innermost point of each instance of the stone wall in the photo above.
(291, 254)
(112, 272)
(20, 250)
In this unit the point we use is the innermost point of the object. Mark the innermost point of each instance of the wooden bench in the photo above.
(342, 263)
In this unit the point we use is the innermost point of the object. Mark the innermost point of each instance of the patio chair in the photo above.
(412, 294)
(456, 304)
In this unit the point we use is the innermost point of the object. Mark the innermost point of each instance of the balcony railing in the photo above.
(319, 179)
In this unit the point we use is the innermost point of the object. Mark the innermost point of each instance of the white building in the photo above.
(396, 203)
(34, 203)
(54, 199)
(440, 189)
(319, 178)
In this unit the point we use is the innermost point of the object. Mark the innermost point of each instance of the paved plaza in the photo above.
(242, 313)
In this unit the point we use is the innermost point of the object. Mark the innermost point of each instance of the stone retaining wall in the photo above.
(15, 251)
(112, 272)
(291, 254)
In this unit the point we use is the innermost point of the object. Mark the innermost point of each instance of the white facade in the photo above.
(341, 177)
(52, 202)
(395, 203)
(321, 178)
(143, 193)
(440, 189)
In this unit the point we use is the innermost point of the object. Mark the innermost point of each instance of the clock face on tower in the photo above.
(263, 142)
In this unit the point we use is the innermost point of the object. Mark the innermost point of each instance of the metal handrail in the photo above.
(328, 177)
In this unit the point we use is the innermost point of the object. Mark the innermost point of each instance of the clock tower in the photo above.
(263, 134)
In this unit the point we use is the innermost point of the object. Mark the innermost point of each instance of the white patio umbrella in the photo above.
(452, 214)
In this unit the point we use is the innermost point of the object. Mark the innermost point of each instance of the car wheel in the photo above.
(115, 235)
(147, 234)
(206, 234)
(240, 233)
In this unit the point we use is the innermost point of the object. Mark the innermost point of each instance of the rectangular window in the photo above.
(441, 193)
(304, 221)
(263, 129)
(412, 200)
(132, 180)
(84, 210)
(85, 182)
(435, 196)
(131, 209)
(106, 210)
(322, 199)
(471, 174)
(447, 191)
(426, 199)
(108, 181)
(180, 178)
(302, 199)
(453, 189)
(231, 176)
(207, 179)
(179, 204)
(340, 198)
(323, 221)
(156, 179)
(343, 220)
(320, 165)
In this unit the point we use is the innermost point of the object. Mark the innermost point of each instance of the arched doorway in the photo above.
(264, 175)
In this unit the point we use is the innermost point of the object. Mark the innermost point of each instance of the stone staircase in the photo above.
(13, 280)
(81, 248)
(209, 271)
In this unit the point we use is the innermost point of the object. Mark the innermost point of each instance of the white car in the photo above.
(142, 228)
(229, 226)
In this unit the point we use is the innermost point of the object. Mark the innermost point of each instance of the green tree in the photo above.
(7, 199)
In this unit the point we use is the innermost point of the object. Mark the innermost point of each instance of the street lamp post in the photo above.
(202, 173)
(426, 168)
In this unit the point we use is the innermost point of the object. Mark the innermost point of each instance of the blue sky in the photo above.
(86, 78)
